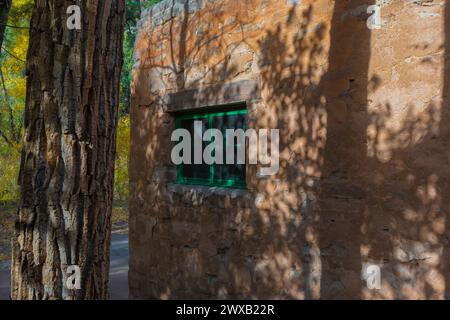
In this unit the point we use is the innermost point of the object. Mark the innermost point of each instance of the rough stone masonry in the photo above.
(364, 150)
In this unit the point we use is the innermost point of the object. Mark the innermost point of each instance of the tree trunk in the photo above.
(5, 5)
(67, 166)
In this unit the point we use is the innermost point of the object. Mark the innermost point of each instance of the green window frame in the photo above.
(213, 181)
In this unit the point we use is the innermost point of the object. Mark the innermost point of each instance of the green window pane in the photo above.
(229, 173)
(195, 171)
(225, 175)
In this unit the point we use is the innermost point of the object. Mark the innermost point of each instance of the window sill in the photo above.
(208, 191)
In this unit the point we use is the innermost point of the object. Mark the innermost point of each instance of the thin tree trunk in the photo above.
(14, 134)
(2, 134)
(5, 5)
(67, 167)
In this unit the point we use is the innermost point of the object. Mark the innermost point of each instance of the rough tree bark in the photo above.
(5, 5)
(67, 166)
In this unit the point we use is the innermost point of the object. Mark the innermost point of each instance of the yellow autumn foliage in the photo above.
(12, 95)
(121, 172)
(9, 171)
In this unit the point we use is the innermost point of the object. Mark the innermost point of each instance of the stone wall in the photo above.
(364, 150)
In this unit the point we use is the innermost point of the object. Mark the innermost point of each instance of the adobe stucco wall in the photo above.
(364, 151)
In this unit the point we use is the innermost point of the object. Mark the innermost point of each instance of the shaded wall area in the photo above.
(385, 175)
(363, 151)
(406, 166)
(342, 195)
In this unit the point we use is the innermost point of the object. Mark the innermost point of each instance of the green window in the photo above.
(221, 175)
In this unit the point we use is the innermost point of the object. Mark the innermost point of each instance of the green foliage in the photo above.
(149, 3)
(144, 4)
(125, 78)
(133, 13)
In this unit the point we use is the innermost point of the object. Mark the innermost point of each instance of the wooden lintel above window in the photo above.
(229, 93)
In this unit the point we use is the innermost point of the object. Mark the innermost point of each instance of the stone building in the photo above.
(364, 153)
